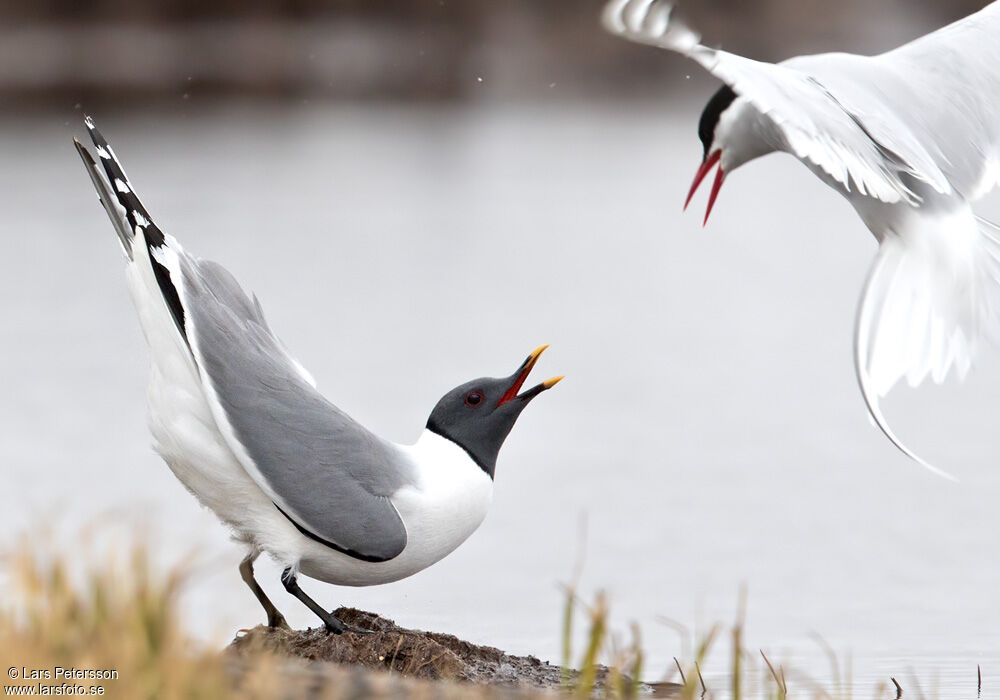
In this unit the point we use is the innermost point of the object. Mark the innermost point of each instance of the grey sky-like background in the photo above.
(422, 192)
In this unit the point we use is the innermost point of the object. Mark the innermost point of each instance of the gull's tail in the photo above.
(931, 298)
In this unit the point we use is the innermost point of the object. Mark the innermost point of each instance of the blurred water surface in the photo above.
(709, 432)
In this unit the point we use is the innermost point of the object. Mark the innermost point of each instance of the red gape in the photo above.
(511, 393)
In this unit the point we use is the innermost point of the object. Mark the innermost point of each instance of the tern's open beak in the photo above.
(703, 170)
(522, 374)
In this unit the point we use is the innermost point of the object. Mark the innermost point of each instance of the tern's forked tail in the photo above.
(931, 298)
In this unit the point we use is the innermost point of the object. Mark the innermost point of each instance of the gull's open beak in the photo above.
(521, 374)
(703, 170)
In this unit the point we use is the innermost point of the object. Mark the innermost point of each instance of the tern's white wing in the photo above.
(876, 157)
(945, 88)
(946, 85)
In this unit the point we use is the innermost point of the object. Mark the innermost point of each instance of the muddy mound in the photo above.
(413, 656)
(427, 655)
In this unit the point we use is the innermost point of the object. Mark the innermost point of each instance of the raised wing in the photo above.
(947, 84)
(877, 159)
(329, 475)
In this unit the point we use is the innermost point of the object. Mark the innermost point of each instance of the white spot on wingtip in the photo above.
(122, 186)
(88, 122)
(103, 153)
(140, 220)
(114, 157)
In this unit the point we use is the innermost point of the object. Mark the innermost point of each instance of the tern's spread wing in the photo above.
(943, 88)
(948, 86)
(329, 475)
(875, 158)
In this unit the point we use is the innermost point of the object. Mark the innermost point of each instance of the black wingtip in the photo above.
(135, 212)
(96, 136)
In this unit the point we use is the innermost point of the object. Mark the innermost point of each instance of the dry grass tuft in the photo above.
(123, 615)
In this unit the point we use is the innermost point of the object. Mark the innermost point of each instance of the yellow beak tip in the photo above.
(549, 383)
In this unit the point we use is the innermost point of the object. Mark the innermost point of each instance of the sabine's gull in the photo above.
(241, 424)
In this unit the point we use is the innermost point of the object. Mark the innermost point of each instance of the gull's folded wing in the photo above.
(327, 473)
(330, 476)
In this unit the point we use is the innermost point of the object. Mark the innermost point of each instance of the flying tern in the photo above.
(911, 138)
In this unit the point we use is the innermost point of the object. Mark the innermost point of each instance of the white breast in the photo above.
(449, 502)
(185, 433)
(446, 505)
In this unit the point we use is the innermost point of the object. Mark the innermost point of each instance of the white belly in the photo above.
(447, 505)
(185, 433)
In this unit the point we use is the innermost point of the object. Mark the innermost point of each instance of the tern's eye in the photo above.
(474, 398)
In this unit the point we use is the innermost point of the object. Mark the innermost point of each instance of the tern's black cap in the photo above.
(720, 101)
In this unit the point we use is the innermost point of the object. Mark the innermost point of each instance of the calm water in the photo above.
(709, 433)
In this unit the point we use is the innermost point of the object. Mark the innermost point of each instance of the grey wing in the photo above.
(328, 474)
(876, 159)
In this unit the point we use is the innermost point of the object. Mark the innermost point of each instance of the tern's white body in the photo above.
(448, 504)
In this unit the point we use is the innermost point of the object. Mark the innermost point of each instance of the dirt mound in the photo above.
(413, 656)
(413, 653)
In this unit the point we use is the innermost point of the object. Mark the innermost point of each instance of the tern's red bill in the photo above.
(703, 170)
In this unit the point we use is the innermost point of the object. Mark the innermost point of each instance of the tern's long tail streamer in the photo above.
(930, 299)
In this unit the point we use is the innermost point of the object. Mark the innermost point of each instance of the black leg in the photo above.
(332, 623)
(274, 618)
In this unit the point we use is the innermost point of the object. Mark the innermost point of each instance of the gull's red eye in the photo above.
(474, 398)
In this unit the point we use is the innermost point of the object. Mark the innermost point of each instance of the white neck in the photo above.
(449, 500)
(745, 135)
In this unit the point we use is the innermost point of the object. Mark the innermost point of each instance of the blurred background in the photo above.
(131, 52)
(420, 193)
